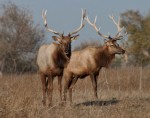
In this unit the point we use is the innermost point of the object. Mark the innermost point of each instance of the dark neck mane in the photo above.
(69, 51)
(105, 57)
(62, 59)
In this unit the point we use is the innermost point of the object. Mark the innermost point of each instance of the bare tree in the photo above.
(138, 27)
(18, 36)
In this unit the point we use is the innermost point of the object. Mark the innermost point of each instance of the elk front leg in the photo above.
(50, 89)
(72, 83)
(60, 86)
(67, 78)
(44, 88)
(94, 84)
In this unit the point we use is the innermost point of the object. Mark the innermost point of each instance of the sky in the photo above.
(65, 15)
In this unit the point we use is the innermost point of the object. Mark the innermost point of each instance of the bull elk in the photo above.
(52, 58)
(90, 60)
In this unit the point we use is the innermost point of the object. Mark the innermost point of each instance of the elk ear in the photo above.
(74, 37)
(55, 38)
(105, 41)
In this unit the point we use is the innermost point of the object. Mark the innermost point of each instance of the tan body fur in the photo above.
(79, 65)
(51, 59)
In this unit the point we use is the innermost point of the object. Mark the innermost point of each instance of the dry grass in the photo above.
(123, 93)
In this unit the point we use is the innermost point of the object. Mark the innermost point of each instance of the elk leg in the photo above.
(60, 86)
(70, 88)
(67, 77)
(44, 88)
(94, 84)
(50, 89)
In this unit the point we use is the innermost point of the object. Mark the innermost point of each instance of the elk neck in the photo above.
(105, 57)
(68, 51)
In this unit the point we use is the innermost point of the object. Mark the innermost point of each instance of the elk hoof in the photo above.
(62, 103)
(71, 105)
(44, 102)
(50, 104)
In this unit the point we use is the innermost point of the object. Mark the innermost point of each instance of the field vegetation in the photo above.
(123, 93)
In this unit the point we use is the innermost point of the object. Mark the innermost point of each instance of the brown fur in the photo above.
(89, 61)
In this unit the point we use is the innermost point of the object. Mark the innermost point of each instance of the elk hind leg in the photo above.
(44, 87)
(94, 84)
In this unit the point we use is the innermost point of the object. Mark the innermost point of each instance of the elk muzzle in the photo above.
(121, 51)
(67, 50)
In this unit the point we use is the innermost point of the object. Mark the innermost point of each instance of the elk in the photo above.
(90, 60)
(52, 58)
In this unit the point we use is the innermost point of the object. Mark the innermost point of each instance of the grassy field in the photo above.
(123, 93)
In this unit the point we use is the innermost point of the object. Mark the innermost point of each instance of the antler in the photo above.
(82, 22)
(118, 36)
(95, 27)
(45, 23)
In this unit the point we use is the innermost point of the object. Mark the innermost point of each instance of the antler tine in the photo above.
(45, 23)
(82, 22)
(44, 16)
(95, 27)
(117, 25)
(83, 14)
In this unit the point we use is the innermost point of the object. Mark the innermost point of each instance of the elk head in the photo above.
(65, 41)
(113, 47)
(110, 42)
